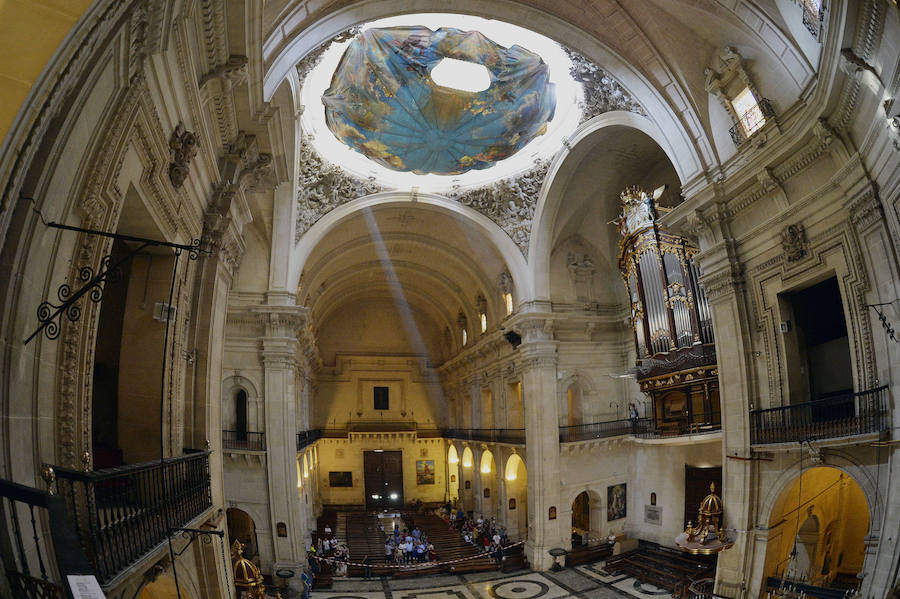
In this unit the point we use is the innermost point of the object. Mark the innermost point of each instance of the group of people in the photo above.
(408, 547)
(483, 533)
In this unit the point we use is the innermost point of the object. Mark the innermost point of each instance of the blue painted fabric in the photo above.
(383, 103)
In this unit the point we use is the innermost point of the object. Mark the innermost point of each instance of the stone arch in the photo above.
(231, 386)
(553, 193)
(242, 527)
(574, 392)
(493, 234)
(597, 516)
(825, 557)
(164, 587)
(515, 481)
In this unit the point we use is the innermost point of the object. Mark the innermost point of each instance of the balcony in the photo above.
(121, 514)
(307, 438)
(833, 417)
(511, 436)
(752, 121)
(31, 573)
(243, 440)
(644, 428)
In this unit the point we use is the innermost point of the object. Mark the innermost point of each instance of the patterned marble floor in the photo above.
(583, 582)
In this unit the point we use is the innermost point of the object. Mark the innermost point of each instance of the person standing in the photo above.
(633, 416)
(307, 580)
(367, 569)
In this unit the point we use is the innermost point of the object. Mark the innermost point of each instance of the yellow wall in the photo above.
(346, 455)
(345, 393)
(30, 32)
(840, 506)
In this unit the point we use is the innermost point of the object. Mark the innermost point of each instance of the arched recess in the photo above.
(817, 529)
(574, 398)
(467, 476)
(492, 233)
(296, 44)
(163, 587)
(606, 127)
(516, 480)
(453, 478)
(487, 470)
(596, 515)
(241, 527)
(231, 389)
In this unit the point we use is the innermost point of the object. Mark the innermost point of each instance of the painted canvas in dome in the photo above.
(383, 103)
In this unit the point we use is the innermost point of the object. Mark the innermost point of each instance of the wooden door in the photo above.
(696, 488)
(384, 479)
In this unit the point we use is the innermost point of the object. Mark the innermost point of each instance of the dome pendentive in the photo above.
(384, 103)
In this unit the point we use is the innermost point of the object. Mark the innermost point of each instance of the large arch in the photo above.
(515, 478)
(492, 233)
(565, 164)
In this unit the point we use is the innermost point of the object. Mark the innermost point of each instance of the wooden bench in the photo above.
(588, 554)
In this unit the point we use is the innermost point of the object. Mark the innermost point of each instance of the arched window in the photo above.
(481, 304)
(240, 415)
(463, 324)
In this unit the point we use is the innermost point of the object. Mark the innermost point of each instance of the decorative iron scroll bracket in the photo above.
(193, 534)
(888, 328)
(50, 314)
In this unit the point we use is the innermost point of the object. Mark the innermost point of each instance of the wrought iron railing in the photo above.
(838, 416)
(812, 16)
(29, 572)
(307, 438)
(244, 440)
(513, 436)
(703, 589)
(123, 513)
(599, 430)
(752, 120)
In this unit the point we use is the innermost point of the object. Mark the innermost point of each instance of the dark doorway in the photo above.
(696, 488)
(240, 410)
(384, 479)
(817, 348)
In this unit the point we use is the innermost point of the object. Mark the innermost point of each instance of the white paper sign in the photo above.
(85, 587)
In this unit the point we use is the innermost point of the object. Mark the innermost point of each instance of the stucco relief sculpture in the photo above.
(793, 242)
(182, 148)
(602, 93)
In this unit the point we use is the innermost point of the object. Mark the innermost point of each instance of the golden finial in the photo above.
(86, 461)
(49, 476)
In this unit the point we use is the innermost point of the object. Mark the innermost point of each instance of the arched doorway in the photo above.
(488, 469)
(241, 527)
(453, 482)
(163, 587)
(817, 530)
(516, 480)
(581, 516)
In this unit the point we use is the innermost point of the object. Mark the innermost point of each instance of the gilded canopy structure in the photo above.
(383, 102)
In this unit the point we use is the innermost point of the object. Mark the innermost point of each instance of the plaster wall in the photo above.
(246, 488)
(346, 455)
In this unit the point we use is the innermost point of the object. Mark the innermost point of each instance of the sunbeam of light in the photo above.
(413, 335)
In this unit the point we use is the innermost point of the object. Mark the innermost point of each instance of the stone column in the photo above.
(538, 361)
(723, 283)
(280, 387)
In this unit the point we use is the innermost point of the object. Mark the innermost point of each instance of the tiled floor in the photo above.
(583, 582)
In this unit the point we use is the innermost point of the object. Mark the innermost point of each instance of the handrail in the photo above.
(843, 415)
(307, 438)
(123, 513)
(513, 436)
(246, 440)
(126, 469)
(821, 400)
(70, 558)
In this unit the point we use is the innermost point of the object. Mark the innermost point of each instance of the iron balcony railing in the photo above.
(244, 440)
(29, 570)
(752, 120)
(837, 416)
(307, 438)
(646, 428)
(601, 430)
(123, 513)
(513, 436)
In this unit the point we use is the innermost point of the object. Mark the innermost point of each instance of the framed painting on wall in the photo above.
(616, 505)
(424, 472)
(340, 479)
